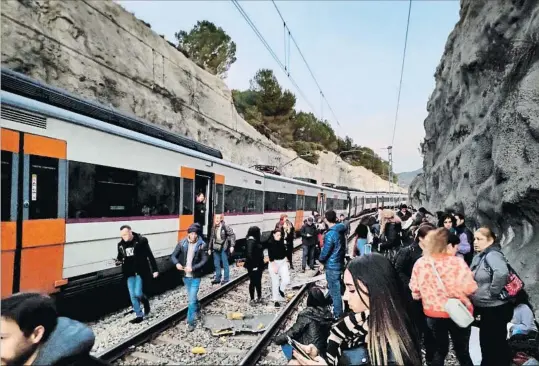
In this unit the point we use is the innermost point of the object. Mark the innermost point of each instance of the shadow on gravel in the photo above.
(94, 304)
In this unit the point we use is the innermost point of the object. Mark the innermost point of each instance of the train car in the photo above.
(74, 171)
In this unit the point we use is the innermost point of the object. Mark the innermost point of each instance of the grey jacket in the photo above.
(69, 343)
(228, 236)
(490, 282)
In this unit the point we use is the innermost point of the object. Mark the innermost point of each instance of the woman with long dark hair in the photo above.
(379, 331)
(254, 262)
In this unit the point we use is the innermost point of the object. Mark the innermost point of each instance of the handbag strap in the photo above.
(438, 276)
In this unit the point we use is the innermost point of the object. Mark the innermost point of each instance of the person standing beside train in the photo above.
(288, 235)
(190, 256)
(332, 259)
(222, 241)
(138, 266)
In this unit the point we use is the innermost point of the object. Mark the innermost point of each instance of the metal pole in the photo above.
(390, 173)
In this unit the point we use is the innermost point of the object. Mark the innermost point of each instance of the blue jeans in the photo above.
(219, 256)
(308, 255)
(134, 285)
(191, 286)
(334, 286)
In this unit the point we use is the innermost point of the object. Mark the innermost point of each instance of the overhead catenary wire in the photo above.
(402, 72)
(291, 37)
(272, 52)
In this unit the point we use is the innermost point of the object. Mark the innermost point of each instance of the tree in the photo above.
(270, 109)
(208, 46)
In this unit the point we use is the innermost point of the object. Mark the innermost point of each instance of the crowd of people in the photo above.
(410, 282)
(415, 281)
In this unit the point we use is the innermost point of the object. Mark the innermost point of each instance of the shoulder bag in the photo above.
(514, 283)
(455, 308)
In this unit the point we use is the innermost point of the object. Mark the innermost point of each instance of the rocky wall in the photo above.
(481, 150)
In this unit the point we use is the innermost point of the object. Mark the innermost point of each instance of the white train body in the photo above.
(70, 180)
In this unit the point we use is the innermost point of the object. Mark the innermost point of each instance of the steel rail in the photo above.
(125, 347)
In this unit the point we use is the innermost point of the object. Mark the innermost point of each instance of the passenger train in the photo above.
(74, 171)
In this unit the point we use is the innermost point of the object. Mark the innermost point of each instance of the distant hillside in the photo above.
(405, 178)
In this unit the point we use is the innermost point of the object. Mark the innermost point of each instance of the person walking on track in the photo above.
(138, 267)
(190, 256)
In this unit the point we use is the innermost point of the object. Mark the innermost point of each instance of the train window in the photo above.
(234, 200)
(219, 198)
(300, 201)
(188, 194)
(240, 200)
(7, 158)
(97, 191)
(157, 195)
(259, 201)
(43, 188)
(311, 203)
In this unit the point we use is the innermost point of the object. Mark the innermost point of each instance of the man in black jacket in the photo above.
(138, 266)
(309, 236)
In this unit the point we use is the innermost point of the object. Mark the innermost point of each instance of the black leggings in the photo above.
(493, 334)
(255, 282)
(440, 329)
(289, 252)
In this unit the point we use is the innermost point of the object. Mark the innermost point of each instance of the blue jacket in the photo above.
(332, 256)
(69, 344)
(199, 260)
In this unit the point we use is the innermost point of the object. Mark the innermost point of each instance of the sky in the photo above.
(354, 49)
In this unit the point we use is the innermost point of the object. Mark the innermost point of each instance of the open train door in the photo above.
(300, 209)
(198, 199)
(321, 206)
(34, 171)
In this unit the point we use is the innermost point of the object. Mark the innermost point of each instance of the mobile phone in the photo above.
(287, 350)
(297, 347)
(368, 249)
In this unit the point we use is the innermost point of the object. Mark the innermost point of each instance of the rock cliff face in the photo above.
(481, 150)
(100, 51)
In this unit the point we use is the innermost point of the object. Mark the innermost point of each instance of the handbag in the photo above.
(454, 307)
(514, 283)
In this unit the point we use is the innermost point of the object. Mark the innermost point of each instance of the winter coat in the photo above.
(179, 255)
(466, 243)
(405, 260)
(254, 254)
(228, 236)
(69, 343)
(136, 257)
(490, 272)
(392, 234)
(311, 230)
(333, 252)
(312, 327)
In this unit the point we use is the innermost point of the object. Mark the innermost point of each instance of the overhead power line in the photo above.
(402, 72)
(305, 61)
(272, 52)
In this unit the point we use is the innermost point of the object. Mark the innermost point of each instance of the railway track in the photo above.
(166, 340)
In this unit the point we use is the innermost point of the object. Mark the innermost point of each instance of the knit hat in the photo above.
(193, 228)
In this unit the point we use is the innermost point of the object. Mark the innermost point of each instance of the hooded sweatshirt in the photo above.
(69, 343)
